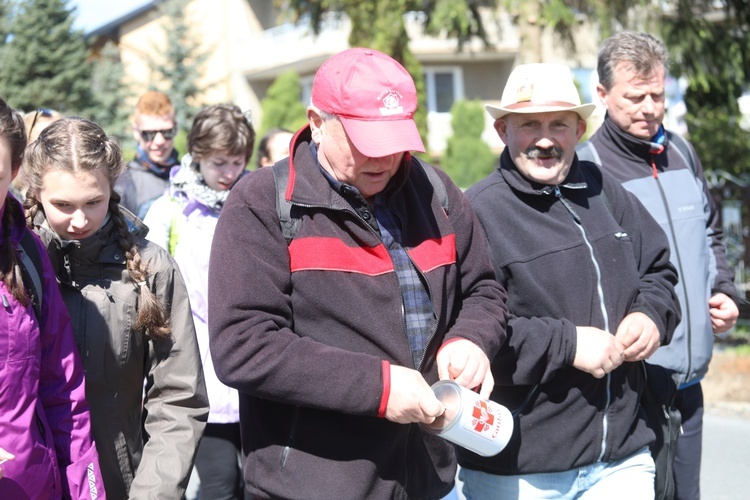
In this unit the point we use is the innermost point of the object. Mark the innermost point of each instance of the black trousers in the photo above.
(687, 462)
(218, 463)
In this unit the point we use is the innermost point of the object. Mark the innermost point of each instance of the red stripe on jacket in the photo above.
(433, 253)
(332, 254)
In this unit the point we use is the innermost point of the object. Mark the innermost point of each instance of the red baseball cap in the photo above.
(375, 99)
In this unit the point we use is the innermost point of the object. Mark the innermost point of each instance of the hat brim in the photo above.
(377, 138)
(584, 110)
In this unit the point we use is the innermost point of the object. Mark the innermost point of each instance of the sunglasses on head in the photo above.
(149, 135)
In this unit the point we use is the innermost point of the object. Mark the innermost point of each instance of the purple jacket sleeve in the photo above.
(62, 396)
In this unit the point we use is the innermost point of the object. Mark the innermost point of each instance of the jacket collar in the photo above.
(101, 248)
(307, 185)
(628, 146)
(159, 170)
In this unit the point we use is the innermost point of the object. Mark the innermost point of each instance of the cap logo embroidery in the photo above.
(391, 103)
(524, 92)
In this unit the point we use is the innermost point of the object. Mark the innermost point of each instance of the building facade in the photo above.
(249, 43)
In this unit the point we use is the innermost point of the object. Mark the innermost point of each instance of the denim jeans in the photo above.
(631, 478)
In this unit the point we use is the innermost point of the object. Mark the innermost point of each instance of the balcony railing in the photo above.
(290, 44)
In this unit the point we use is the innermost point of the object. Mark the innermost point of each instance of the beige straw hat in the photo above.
(540, 88)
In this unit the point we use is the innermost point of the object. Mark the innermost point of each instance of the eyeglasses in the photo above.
(150, 135)
(44, 112)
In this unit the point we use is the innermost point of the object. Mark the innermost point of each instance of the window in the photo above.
(444, 87)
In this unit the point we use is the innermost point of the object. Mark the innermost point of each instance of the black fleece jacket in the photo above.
(548, 251)
(306, 333)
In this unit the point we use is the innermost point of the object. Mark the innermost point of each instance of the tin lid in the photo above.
(449, 394)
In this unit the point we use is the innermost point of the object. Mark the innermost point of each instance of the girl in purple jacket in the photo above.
(45, 439)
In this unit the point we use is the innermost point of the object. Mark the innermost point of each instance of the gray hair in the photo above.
(325, 115)
(643, 53)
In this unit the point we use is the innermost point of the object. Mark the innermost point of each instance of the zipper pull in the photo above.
(559, 196)
(5, 302)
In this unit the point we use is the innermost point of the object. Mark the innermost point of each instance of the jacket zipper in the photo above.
(290, 441)
(674, 249)
(605, 316)
(285, 452)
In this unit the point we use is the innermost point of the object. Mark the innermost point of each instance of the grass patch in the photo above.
(741, 350)
(738, 340)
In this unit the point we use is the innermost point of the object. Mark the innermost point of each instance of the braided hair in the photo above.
(78, 145)
(12, 129)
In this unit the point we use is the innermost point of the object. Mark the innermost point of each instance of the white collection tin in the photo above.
(479, 425)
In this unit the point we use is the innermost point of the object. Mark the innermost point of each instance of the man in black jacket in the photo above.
(589, 297)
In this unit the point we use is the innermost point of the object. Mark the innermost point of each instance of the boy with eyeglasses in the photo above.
(147, 175)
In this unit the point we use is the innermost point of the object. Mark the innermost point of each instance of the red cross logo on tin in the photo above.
(482, 418)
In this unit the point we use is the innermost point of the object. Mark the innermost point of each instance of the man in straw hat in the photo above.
(588, 296)
(334, 327)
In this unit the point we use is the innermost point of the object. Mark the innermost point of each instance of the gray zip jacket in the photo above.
(147, 397)
(680, 201)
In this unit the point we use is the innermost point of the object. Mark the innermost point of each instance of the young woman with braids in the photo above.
(45, 437)
(130, 311)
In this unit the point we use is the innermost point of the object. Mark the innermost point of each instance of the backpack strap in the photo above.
(289, 224)
(31, 266)
(684, 149)
(175, 225)
(435, 181)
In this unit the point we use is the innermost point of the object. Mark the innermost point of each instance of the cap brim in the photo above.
(584, 110)
(376, 138)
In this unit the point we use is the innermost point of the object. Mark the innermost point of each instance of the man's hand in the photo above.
(411, 398)
(639, 336)
(597, 352)
(724, 312)
(466, 364)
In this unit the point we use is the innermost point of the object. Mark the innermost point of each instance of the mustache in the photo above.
(535, 152)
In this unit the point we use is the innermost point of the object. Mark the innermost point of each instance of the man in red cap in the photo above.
(343, 282)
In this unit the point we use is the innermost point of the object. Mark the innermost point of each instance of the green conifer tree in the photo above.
(282, 106)
(43, 61)
(179, 60)
(467, 158)
(109, 92)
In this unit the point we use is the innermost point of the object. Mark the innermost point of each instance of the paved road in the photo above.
(725, 471)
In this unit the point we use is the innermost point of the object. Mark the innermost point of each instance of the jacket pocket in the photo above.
(43, 455)
(19, 329)
(105, 324)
